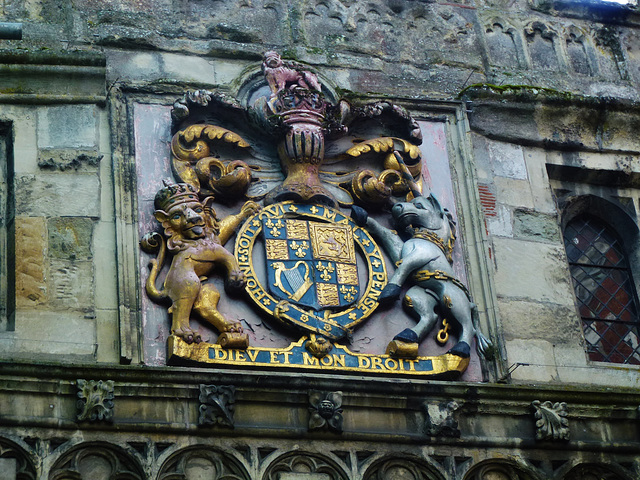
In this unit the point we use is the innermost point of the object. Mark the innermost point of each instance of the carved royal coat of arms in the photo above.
(308, 253)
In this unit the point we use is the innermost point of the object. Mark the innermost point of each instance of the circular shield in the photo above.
(302, 264)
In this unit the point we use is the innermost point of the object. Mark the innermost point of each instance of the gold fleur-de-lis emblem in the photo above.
(275, 227)
(300, 248)
(326, 270)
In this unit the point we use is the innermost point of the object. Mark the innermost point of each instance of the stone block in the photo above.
(104, 262)
(25, 150)
(500, 224)
(71, 284)
(516, 193)
(54, 195)
(70, 237)
(107, 331)
(532, 271)
(507, 160)
(543, 200)
(535, 359)
(31, 249)
(68, 126)
(481, 157)
(126, 65)
(536, 226)
(40, 335)
(524, 320)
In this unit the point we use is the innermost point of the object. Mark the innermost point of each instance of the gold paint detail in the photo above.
(332, 242)
(297, 230)
(447, 248)
(278, 358)
(408, 302)
(348, 293)
(424, 275)
(331, 322)
(328, 294)
(318, 346)
(301, 283)
(443, 333)
(400, 349)
(446, 300)
(275, 227)
(277, 249)
(348, 274)
(194, 163)
(326, 270)
(300, 248)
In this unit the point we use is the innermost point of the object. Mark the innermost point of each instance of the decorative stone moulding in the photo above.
(551, 420)
(217, 405)
(95, 400)
(440, 419)
(325, 410)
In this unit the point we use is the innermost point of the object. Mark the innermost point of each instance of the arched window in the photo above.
(604, 290)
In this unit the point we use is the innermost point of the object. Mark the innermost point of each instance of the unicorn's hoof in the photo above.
(461, 349)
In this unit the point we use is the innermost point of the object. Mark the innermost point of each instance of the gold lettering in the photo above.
(221, 354)
(329, 214)
(390, 364)
(379, 276)
(286, 356)
(364, 362)
(240, 356)
(326, 364)
(339, 360)
(376, 284)
(308, 359)
(376, 362)
(274, 357)
(253, 354)
(411, 365)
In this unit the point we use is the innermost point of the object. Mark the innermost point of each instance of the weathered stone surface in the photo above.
(104, 259)
(516, 193)
(507, 160)
(535, 358)
(500, 224)
(524, 320)
(62, 160)
(31, 250)
(532, 270)
(58, 195)
(107, 335)
(70, 237)
(68, 126)
(50, 335)
(536, 226)
(71, 285)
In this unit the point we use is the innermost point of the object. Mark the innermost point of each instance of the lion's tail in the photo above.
(151, 243)
(483, 344)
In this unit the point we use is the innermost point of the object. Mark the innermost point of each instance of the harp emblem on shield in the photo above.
(300, 283)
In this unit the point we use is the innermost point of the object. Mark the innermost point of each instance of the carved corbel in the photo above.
(95, 400)
(551, 420)
(325, 408)
(440, 419)
(217, 405)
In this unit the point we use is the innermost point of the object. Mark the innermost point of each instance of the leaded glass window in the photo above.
(604, 289)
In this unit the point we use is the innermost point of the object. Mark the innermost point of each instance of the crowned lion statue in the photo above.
(196, 238)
